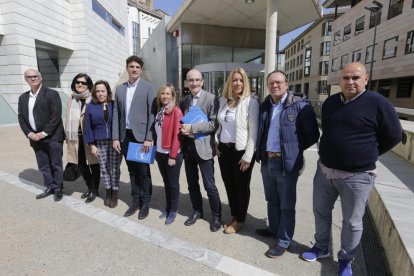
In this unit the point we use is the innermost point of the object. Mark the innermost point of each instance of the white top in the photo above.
(227, 120)
(158, 131)
(129, 96)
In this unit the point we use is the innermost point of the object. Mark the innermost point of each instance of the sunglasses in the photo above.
(81, 82)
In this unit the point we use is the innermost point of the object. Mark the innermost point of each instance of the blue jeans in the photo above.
(280, 193)
(354, 192)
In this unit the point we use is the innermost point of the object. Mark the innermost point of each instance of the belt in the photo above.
(229, 145)
(273, 154)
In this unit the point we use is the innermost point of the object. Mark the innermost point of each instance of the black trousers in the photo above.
(90, 173)
(237, 183)
(171, 177)
(49, 162)
(191, 161)
(139, 175)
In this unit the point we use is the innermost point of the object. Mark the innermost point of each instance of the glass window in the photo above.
(390, 48)
(404, 88)
(334, 65)
(347, 32)
(409, 45)
(105, 15)
(372, 15)
(344, 60)
(202, 54)
(325, 48)
(294, 64)
(247, 55)
(323, 87)
(368, 55)
(395, 8)
(327, 28)
(384, 87)
(323, 68)
(359, 25)
(337, 38)
(308, 57)
(357, 55)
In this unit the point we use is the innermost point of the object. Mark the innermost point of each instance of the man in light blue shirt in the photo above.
(287, 126)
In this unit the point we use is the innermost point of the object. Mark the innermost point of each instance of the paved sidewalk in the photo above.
(41, 237)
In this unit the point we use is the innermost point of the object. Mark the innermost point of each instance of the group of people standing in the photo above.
(357, 126)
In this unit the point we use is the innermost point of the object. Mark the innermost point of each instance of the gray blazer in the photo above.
(209, 103)
(141, 112)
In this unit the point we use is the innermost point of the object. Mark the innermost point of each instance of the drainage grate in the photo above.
(374, 256)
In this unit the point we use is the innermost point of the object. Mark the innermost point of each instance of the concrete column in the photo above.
(271, 33)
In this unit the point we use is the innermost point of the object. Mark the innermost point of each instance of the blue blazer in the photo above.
(95, 126)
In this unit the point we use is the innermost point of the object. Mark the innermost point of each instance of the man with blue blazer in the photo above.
(200, 152)
(40, 118)
(133, 115)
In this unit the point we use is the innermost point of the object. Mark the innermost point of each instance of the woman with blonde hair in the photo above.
(236, 135)
(166, 130)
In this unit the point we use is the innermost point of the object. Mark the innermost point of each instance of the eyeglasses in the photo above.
(194, 80)
(81, 82)
(32, 77)
(277, 83)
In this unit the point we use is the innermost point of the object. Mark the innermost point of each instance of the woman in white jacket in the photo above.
(238, 118)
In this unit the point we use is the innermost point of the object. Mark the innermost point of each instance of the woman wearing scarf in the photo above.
(169, 158)
(79, 152)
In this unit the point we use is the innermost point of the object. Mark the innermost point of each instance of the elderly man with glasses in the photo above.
(39, 114)
(287, 126)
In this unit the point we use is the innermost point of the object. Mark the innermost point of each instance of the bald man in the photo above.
(40, 118)
(357, 126)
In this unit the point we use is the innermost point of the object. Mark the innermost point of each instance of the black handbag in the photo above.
(71, 172)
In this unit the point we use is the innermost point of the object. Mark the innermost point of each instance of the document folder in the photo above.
(193, 116)
(135, 153)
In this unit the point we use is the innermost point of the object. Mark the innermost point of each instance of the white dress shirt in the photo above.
(129, 96)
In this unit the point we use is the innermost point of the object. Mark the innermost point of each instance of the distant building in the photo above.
(142, 22)
(393, 57)
(307, 60)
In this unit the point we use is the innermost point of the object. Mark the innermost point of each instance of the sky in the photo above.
(171, 7)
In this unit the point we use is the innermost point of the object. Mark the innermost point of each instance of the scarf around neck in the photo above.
(74, 113)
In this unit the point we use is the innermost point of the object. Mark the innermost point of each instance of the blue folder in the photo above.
(193, 116)
(135, 153)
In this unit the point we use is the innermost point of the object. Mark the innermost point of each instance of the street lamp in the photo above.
(375, 10)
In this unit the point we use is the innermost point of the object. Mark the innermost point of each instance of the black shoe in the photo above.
(193, 218)
(215, 225)
(131, 210)
(275, 251)
(57, 196)
(265, 232)
(91, 197)
(46, 193)
(143, 212)
(85, 194)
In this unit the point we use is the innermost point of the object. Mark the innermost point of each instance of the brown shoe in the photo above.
(227, 224)
(234, 227)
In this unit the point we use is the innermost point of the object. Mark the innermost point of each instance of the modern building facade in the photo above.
(307, 60)
(61, 39)
(216, 36)
(390, 60)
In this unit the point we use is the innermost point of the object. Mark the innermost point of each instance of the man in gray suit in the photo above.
(200, 152)
(132, 119)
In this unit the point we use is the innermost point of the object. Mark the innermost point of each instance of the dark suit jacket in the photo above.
(141, 112)
(209, 103)
(47, 113)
